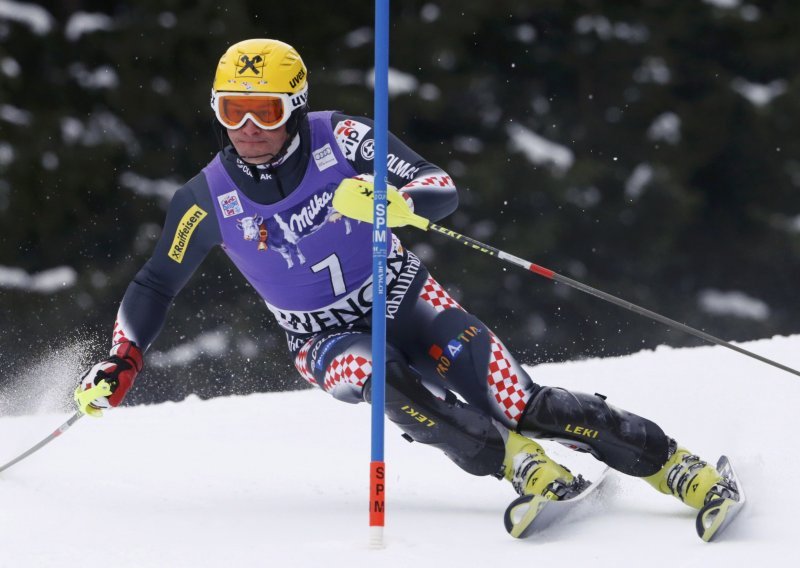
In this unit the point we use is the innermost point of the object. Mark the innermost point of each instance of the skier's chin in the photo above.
(257, 158)
(252, 153)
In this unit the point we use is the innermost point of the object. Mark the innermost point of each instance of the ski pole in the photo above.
(60, 430)
(353, 198)
(101, 389)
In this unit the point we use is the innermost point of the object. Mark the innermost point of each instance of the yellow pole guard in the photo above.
(354, 198)
(84, 398)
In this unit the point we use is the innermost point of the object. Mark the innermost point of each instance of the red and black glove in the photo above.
(119, 373)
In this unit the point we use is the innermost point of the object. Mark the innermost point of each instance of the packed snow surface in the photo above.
(282, 479)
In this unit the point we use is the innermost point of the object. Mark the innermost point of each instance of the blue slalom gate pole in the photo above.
(380, 250)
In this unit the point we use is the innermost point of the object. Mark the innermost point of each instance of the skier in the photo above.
(265, 198)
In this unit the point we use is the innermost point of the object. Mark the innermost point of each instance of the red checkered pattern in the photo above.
(504, 382)
(119, 334)
(436, 296)
(348, 368)
(410, 202)
(301, 362)
(430, 181)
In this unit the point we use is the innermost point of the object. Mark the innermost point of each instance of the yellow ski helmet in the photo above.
(261, 65)
(264, 80)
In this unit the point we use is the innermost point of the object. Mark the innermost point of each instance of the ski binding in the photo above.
(530, 514)
(717, 514)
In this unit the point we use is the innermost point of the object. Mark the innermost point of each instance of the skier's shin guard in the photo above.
(467, 436)
(626, 442)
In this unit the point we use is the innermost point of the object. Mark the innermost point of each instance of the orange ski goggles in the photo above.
(267, 110)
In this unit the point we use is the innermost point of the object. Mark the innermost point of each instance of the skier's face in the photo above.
(256, 145)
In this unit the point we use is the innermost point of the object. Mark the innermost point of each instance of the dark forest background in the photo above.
(673, 182)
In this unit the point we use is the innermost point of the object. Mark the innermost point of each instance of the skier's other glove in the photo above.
(107, 383)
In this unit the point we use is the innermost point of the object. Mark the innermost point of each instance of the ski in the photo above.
(717, 514)
(531, 514)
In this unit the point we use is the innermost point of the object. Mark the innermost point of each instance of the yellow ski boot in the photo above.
(532, 472)
(691, 480)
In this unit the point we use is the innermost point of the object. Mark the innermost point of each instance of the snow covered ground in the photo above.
(281, 479)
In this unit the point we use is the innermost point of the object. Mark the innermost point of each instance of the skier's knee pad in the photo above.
(627, 442)
(468, 437)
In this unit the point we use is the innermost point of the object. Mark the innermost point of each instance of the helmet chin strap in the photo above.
(292, 131)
